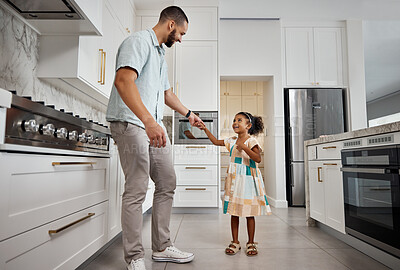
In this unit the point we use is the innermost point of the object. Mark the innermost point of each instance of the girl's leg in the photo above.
(251, 228)
(235, 228)
(235, 232)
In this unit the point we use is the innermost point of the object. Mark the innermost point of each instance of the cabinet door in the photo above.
(334, 203)
(196, 74)
(233, 105)
(317, 190)
(249, 88)
(328, 56)
(249, 104)
(234, 88)
(203, 22)
(299, 56)
(222, 88)
(260, 88)
(90, 58)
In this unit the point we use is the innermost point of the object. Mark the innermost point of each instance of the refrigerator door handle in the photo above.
(291, 175)
(290, 147)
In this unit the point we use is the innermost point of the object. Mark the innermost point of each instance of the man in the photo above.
(135, 110)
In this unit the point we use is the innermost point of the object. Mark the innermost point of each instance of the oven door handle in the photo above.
(363, 170)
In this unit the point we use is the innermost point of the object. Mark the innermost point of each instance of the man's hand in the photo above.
(195, 121)
(156, 134)
(201, 126)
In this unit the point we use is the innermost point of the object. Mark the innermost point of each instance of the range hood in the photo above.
(45, 9)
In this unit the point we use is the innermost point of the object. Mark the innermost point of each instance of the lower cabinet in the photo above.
(196, 169)
(61, 244)
(326, 193)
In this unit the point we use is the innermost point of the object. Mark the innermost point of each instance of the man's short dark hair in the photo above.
(173, 13)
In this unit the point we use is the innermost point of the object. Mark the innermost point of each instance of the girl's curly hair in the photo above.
(257, 125)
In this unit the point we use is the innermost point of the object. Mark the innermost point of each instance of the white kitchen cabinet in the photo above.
(114, 194)
(313, 56)
(195, 154)
(47, 187)
(125, 16)
(197, 75)
(196, 196)
(43, 249)
(326, 185)
(203, 23)
(196, 174)
(84, 63)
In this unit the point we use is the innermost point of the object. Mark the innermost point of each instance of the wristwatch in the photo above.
(188, 114)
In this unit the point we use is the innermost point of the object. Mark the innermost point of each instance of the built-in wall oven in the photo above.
(371, 195)
(186, 134)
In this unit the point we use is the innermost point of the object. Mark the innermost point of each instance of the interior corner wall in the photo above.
(253, 48)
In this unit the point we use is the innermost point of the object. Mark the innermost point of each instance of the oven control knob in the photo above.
(83, 138)
(49, 129)
(98, 141)
(62, 133)
(31, 126)
(104, 141)
(73, 135)
(91, 139)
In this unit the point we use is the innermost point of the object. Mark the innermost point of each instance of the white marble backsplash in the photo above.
(19, 46)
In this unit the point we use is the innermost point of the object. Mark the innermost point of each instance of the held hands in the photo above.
(156, 135)
(202, 126)
(195, 121)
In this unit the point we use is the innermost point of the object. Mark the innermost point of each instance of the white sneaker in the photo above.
(172, 254)
(137, 265)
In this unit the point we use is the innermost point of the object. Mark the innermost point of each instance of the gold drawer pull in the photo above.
(71, 224)
(195, 147)
(330, 164)
(72, 163)
(195, 189)
(328, 147)
(319, 174)
(195, 168)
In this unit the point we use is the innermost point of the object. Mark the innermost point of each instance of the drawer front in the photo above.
(196, 154)
(39, 250)
(329, 151)
(196, 175)
(37, 189)
(196, 196)
(312, 152)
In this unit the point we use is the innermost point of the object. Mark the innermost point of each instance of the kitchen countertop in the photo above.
(387, 128)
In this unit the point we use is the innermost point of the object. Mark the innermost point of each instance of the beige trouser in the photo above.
(140, 161)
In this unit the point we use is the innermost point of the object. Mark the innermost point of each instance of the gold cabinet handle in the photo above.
(330, 164)
(319, 174)
(71, 224)
(317, 83)
(101, 66)
(195, 189)
(195, 147)
(329, 147)
(127, 29)
(104, 69)
(72, 163)
(195, 168)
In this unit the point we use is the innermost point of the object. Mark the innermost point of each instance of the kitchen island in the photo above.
(351, 185)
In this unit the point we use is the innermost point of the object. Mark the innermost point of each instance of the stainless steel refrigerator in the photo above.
(309, 113)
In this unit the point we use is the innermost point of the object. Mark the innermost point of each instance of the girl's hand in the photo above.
(239, 146)
(201, 126)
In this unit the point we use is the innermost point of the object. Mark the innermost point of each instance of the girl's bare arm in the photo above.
(211, 137)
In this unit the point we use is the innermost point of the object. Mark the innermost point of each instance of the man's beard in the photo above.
(171, 39)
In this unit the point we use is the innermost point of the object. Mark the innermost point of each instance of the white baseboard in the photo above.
(277, 203)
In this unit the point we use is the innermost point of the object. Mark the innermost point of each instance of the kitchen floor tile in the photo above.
(285, 242)
(356, 260)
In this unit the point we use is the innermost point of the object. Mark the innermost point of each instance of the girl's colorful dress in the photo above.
(244, 185)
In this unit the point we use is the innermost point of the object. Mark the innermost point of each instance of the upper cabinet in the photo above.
(85, 64)
(313, 56)
(202, 23)
(197, 75)
(56, 20)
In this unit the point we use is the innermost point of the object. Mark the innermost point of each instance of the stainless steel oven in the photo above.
(186, 134)
(371, 195)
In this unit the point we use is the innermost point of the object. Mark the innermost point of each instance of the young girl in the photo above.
(244, 186)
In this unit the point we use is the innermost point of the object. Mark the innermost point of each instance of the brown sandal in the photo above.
(251, 249)
(233, 248)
